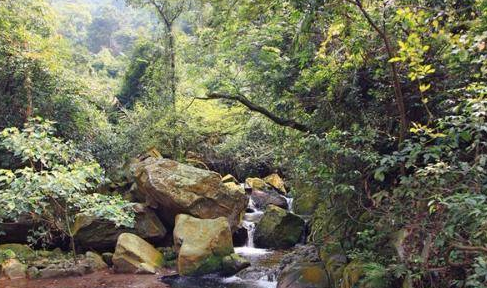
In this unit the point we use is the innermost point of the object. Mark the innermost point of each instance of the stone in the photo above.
(229, 179)
(278, 228)
(14, 269)
(262, 199)
(176, 188)
(300, 254)
(145, 268)
(93, 234)
(256, 183)
(234, 263)
(132, 251)
(202, 244)
(95, 261)
(276, 181)
(33, 272)
(304, 275)
(240, 237)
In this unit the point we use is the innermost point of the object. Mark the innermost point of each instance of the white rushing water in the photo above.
(255, 283)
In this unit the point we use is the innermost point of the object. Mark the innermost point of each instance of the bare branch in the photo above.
(291, 123)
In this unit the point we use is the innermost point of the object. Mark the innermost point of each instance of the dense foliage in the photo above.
(54, 185)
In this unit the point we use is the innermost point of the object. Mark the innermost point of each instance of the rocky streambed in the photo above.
(211, 231)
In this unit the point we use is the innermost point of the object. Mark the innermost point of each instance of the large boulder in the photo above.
(177, 188)
(278, 228)
(134, 255)
(202, 244)
(304, 275)
(21, 252)
(262, 199)
(99, 235)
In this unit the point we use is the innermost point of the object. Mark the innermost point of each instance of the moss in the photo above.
(352, 274)
(306, 200)
(278, 228)
(313, 274)
(335, 261)
(210, 265)
(21, 252)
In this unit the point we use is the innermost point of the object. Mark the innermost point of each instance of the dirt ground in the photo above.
(102, 279)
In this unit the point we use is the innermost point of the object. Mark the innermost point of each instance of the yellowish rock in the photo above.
(229, 179)
(201, 244)
(134, 254)
(13, 269)
(256, 183)
(276, 181)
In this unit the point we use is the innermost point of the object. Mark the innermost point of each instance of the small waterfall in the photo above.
(250, 226)
(289, 201)
(250, 221)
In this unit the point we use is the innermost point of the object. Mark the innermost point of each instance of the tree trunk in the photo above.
(29, 111)
(172, 64)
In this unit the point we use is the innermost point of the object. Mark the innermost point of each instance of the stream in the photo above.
(263, 262)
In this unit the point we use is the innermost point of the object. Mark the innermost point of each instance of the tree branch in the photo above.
(291, 123)
(401, 106)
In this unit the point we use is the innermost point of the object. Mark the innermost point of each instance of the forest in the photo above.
(243, 143)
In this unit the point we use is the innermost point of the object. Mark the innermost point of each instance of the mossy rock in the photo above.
(100, 235)
(202, 244)
(276, 181)
(229, 179)
(335, 260)
(175, 188)
(352, 274)
(256, 183)
(14, 269)
(234, 263)
(22, 252)
(278, 229)
(306, 199)
(132, 251)
(304, 275)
